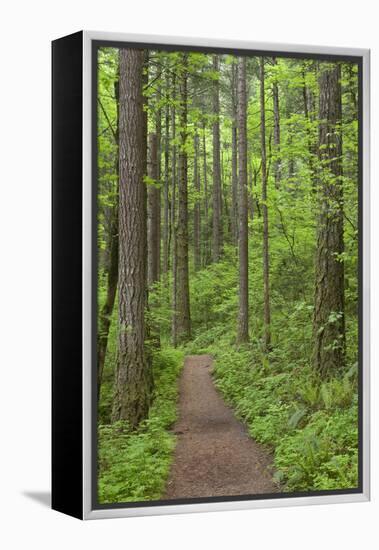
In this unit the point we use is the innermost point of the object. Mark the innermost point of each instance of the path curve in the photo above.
(214, 455)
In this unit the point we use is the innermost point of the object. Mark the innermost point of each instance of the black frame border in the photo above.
(67, 270)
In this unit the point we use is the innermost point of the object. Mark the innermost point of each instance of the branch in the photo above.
(286, 235)
(350, 222)
(109, 122)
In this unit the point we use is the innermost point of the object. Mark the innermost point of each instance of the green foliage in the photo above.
(311, 426)
(322, 455)
(133, 466)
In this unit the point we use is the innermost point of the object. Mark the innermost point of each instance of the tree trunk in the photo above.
(152, 212)
(182, 300)
(206, 232)
(225, 195)
(352, 89)
(234, 208)
(250, 186)
(275, 100)
(312, 148)
(153, 230)
(173, 221)
(217, 196)
(243, 318)
(328, 320)
(158, 130)
(266, 264)
(133, 379)
(197, 213)
(166, 199)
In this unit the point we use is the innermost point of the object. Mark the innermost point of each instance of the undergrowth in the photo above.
(311, 426)
(133, 466)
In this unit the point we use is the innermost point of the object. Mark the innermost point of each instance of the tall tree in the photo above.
(205, 231)
(308, 104)
(183, 321)
(153, 229)
(266, 261)
(158, 131)
(234, 209)
(173, 219)
(224, 195)
(243, 318)
(250, 184)
(276, 109)
(197, 211)
(152, 211)
(216, 193)
(328, 318)
(166, 198)
(133, 378)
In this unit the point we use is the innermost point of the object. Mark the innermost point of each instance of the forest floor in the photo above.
(214, 455)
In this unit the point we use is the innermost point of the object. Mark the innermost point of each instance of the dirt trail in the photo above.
(214, 455)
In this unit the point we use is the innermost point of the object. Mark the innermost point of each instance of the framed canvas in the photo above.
(210, 275)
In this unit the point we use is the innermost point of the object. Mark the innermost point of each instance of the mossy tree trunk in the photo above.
(173, 219)
(266, 258)
(234, 206)
(197, 211)
(243, 317)
(276, 109)
(133, 379)
(329, 320)
(152, 211)
(183, 321)
(217, 192)
(166, 196)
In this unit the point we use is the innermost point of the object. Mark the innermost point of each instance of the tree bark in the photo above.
(152, 212)
(275, 100)
(243, 318)
(183, 320)
(329, 320)
(217, 195)
(166, 198)
(312, 147)
(266, 261)
(250, 186)
(133, 380)
(158, 131)
(197, 212)
(224, 196)
(206, 226)
(173, 220)
(153, 231)
(234, 157)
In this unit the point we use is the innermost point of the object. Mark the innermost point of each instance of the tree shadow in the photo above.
(42, 497)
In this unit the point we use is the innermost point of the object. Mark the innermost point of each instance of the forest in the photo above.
(227, 228)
